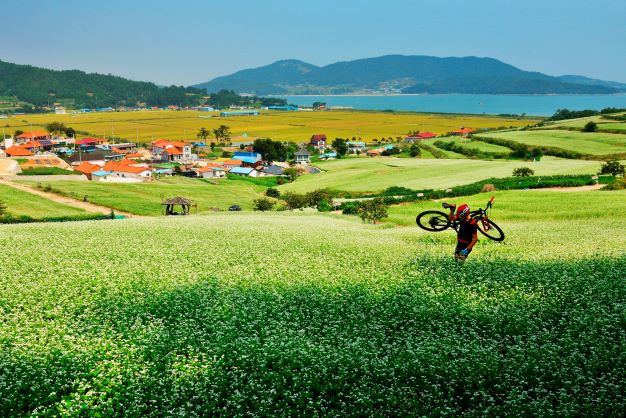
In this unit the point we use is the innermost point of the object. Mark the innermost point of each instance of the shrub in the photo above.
(263, 204)
(372, 210)
(3, 208)
(523, 172)
(280, 180)
(47, 188)
(349, 208)
(489, 187)
(590, 127)
(314, 198)
(415, 151)
(324, 206)
(292, 173)
(294, 200)
(272, 192)
(617, 184)
(612, 167)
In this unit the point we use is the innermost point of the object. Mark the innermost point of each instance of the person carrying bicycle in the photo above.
(467, 235)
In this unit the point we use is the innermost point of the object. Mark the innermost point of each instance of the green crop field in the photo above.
(20, 203)
(145, 198)
(292, 126)
(315, 315)
(376, 174)
(483, 146)
(584, 142)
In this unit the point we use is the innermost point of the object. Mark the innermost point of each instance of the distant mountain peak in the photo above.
(399, 74)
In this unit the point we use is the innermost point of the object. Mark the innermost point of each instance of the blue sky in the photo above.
(188, 42)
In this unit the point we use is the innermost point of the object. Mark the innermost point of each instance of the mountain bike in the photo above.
(437, 221)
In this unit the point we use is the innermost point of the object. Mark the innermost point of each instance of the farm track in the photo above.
(89, 207)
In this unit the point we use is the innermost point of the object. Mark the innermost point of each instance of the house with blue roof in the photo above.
(244, 172)
(100, 175)
(248, 158)
(328, 155)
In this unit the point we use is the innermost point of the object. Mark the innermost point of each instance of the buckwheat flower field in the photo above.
(296, 314)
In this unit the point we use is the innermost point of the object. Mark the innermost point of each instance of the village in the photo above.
(99, 159)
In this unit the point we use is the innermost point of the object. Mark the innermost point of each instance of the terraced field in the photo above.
(308, 315)
(293, 126)
(376, 174)
(593, 143)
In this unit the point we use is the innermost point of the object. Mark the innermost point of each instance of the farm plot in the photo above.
(583, 142)
(247, 315)
(365, 174)
(289, 126)
(21, 203)
(145, 198)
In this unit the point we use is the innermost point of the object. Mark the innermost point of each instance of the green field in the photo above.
(579, 123)
(314, 315)
(21, 203)
(376, 174)
(593, 143)
(483, 146)
(145, 198)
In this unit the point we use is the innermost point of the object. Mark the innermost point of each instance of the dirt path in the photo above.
(571, 189)
(89, 207)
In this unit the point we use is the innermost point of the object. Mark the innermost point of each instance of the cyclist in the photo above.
(467, 236)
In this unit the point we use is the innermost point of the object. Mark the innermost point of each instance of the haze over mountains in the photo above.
(405, 74)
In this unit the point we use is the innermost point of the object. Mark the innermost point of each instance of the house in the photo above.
(354, 146)
(248, 159)
(94, 156)
(230, 164)
(100, 175)
(374, 152)
(90, 141)
(240, 113)
(32, 136)
(32, 146)
(319, 142)
(211, 172)
(243, 171)
(88, 169)
(303, 157)
(173, 151)
(328, 156)
(419, 137)
(128, 171)
(272, 170)
(464, 132)
(16, 151)
(286, 108)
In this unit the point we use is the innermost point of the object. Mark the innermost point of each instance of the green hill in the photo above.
(42, 87)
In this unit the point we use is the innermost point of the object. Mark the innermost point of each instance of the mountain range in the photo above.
(405, 74)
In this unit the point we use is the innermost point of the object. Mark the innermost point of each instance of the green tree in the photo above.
(590, 126)
(272, 192)
(292, 173)
(294, 200)
(203, 133)
(415, 151)
(523, 172)
(612, 167)
(17, 133)
(372, 210)
(56, 128)
(263, 204)
(340, 146)
(270, 150)
(222, 134)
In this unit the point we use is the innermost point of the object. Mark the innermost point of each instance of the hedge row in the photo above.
(437, 153)
(22, 219)
(526, 151)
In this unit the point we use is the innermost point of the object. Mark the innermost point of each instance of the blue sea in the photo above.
(535, 105)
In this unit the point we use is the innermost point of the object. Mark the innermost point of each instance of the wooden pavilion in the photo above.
(185, 204)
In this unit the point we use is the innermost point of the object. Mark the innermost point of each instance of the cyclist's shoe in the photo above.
(448, 206)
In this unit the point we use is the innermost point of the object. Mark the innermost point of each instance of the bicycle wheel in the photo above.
(489, 229)
(433, 221)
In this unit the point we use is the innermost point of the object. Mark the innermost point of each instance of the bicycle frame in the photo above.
(478, 214)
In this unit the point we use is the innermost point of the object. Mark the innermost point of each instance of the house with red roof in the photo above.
(16, 151)
(419, 137)
(319, 142)
(87, 168)
(32, 136)
(462, 132)
(172, 151)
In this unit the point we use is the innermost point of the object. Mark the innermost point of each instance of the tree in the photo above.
(415, 151)
(272, 192)
(372, 210)
(270, 150)
(222, 134)
(317, 105)
(263, 204)
(17, 133)
(340, 146)
(292, 173)
(294, 200)
(315, 198)
(203, 133)
(590, 126)
(612, 167)
(523, 172)
(3, 208)
(56, 128)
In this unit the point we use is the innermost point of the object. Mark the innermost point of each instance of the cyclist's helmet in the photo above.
(462, 210)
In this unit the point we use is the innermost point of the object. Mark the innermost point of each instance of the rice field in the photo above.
(314, 315)
(367, 174)
(147, 126)
(594, 143)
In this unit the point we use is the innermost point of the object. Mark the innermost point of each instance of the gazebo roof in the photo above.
(177, 201)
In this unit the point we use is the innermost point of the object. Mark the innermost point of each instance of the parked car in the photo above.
(234, 208)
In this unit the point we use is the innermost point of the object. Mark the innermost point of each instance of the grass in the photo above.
(20, 203)
(145, 198)
(376, 174)
(586, 143)
(291, 126)
(311, 315)
(44, 171)
(483, 146)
